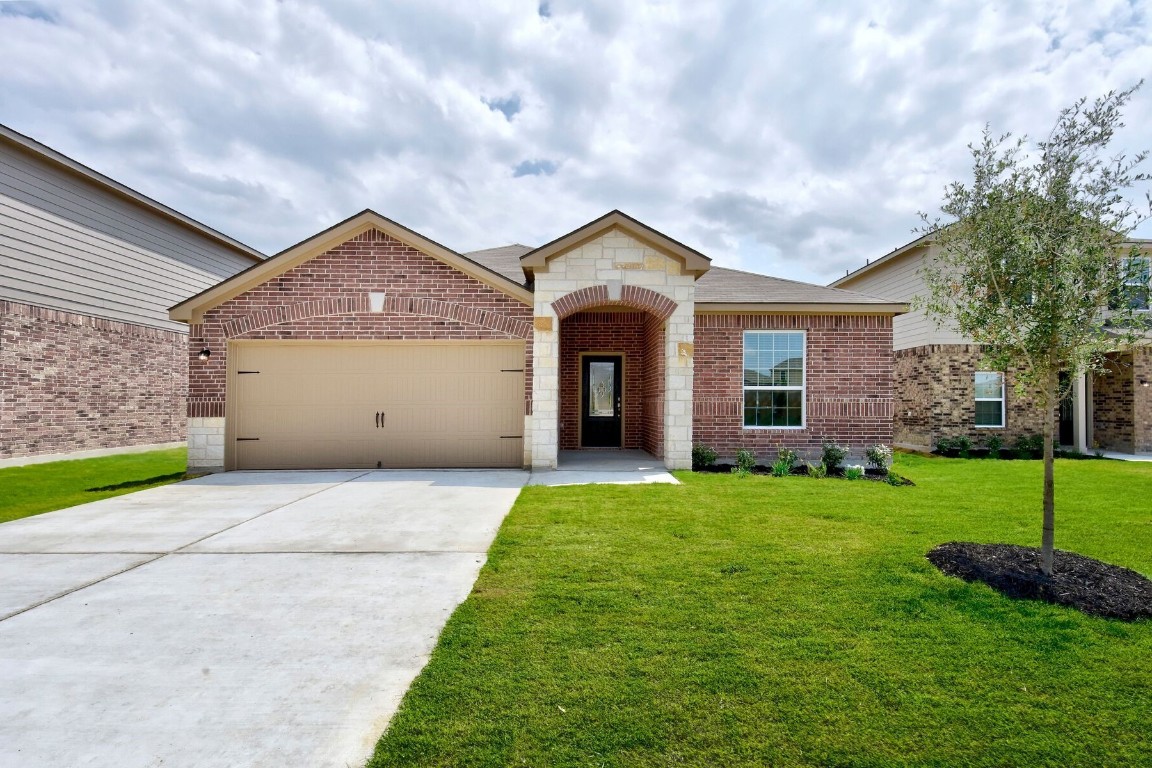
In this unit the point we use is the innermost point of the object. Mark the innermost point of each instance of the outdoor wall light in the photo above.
(205, 353)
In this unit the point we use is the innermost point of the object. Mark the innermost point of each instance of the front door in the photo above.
(600, 401)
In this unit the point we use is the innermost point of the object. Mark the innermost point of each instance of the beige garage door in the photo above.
(403, 404)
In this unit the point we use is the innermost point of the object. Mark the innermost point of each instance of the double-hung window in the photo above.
(1136, 280)
(774, 379)
(989, 399)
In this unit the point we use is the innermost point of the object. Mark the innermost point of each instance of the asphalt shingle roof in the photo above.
(716, 286)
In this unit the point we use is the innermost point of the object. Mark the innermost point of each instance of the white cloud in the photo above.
(786, 137)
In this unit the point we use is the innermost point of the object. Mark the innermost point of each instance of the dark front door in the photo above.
(1066, 429)
(600, 400)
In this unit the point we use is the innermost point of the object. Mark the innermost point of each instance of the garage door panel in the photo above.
(314, 405)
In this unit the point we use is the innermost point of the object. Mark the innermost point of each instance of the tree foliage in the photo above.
(1032, 259)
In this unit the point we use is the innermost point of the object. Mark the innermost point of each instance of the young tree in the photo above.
(1032, 258)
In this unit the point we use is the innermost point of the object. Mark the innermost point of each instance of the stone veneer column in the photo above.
(614, 260)
(205, 443)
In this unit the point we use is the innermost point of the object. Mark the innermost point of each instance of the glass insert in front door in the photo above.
(601, 389)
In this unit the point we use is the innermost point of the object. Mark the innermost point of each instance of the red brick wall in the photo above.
(849, 383)
(1114, 406)
(326, 298)
(614, 332)
(936, 397)
(72, 382)
(652, 388)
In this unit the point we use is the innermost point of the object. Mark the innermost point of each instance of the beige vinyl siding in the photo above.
(900, 280)
(66, 243)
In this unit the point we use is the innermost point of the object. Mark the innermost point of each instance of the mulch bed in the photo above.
(1088, 585)
(802, 470)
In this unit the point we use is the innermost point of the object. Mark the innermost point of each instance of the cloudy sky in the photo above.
(792, 138)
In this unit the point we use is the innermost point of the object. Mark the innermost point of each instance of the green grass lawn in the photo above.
(40, 488)
(766, 621)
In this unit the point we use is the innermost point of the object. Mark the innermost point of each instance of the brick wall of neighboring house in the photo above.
(936, 397)
(611, 332)
(848, 387)
(652, 387)
(71, 382)
(326, 298)
(1114, 396)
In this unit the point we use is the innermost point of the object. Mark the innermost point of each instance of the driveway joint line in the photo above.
(162, 554)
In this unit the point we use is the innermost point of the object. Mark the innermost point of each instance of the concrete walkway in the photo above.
(243, 619)
(614, 467)
(1126, 456)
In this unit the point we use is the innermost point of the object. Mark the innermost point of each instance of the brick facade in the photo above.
(936, 398)
(652, 388)
(611, 332)
(327, 299)
(72, 382)
(849, 386)
(1122, 403)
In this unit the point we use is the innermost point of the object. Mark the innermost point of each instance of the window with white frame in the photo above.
(774, 379)
(1136, 281)
(989, 399)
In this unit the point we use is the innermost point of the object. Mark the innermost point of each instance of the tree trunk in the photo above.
(1048, 541)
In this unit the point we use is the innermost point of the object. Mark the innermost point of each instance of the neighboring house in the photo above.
(88, 267)
(369, 345)
(943, 390)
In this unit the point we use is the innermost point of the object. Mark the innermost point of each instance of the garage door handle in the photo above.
(377, 419)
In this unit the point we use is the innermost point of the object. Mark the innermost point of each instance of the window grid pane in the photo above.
(773, 379)
(989, 399)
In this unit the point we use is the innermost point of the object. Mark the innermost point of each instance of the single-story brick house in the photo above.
(943, 390)
(370, 345)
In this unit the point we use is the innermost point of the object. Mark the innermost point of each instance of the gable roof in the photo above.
(731, 290)
(67, 164)
(888, 258)
(192, 310)
(694, 262)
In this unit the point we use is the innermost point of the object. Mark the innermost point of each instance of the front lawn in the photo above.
(40, 488)
(788, 621)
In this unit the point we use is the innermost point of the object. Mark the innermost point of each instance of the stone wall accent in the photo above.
(327, 298)
(599, 268)
(610, 332)
(936, 398)
(71, 382)
(206, 443)
(849, 387)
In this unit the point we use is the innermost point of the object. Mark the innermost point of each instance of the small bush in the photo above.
(788, 456)
(702, 456)
(893, 479)
(943, 445)
(781, 468)
(745, 462)
(817, 469)
(1030, 445)
(879, 456)
(995, 443)
(963, 444)
(853, 472)
(832, 455)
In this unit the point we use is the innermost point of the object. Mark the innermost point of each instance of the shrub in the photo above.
(854, 472)
(995, 443)
(817, 469)
(1030, 444)
(879, 456)
(781, 468)
(832, 455)
(745, 461)
(893, 479)
(702, 456)
(963, 444)
(788, 456)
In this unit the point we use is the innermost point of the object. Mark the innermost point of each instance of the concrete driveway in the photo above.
(243, 619)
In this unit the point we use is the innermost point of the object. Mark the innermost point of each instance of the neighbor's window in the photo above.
(773, 379)
(989, 399)
(1136, 279)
